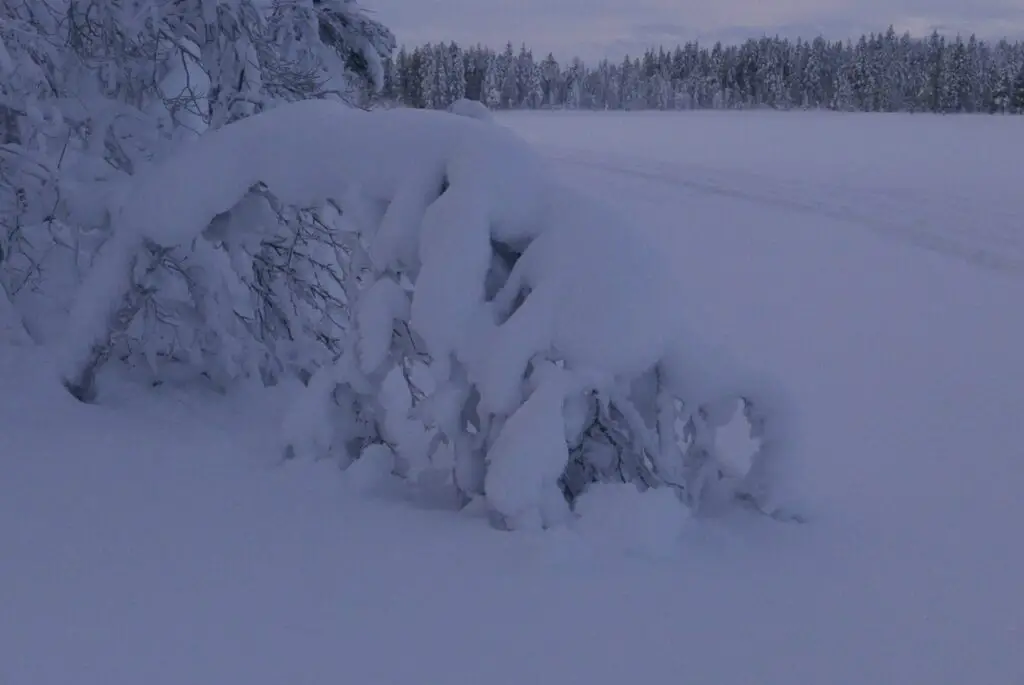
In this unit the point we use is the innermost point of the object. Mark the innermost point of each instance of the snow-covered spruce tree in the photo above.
(485, 321)
(94, 92)
(334, 42)
(36, 142)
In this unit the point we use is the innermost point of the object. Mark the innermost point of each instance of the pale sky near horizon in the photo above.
(613, 28)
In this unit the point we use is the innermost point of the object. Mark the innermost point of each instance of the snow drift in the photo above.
(12, 331)
(484, 320)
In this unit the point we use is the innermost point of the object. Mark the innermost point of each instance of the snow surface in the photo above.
(158, 538)
(12, 329)
(471, 108)
(529, 456)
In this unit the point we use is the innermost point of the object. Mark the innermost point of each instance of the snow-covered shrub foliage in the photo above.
(442, 298)
(450, 304)
(93, 92)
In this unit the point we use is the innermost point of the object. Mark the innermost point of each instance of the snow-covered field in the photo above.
(873, 263)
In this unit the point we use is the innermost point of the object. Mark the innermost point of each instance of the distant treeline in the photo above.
(880, 72)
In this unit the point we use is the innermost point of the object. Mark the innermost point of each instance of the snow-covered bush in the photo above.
(446, 304)
(94, 91)
(458, 308)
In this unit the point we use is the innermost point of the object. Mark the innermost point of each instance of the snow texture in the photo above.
(102, 294)
(379, 307)
(584, 277)
(147, 539)
(456, 187)
(308, 429)
(371, 471)
(12, 330)
(622, 519)
(473, 109)
(307, 153)
(530, 454)
(313, 150)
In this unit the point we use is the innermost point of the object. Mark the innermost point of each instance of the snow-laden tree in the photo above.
(877, 72)
(456, 70)
(93, 93)
(430, 76)
(493, 77)
(165, 207)
(451, 307)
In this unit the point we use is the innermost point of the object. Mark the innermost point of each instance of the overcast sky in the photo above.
(594, 28)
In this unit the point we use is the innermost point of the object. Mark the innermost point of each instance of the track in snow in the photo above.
(150, 541)
(945, 224)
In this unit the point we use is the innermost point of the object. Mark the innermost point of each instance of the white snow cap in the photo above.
(309, 151)
(474, 109)
(528, 457)
(585, 292)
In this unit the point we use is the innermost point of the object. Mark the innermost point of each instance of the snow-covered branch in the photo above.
(182, 188)
(489, 321)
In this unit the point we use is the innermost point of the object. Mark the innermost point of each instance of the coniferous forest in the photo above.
(882, 72)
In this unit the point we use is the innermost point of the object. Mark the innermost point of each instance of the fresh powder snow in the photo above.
(161, 535)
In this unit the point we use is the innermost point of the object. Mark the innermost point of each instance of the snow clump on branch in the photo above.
(488, 322)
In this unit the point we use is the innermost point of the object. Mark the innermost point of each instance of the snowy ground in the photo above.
(875, 263)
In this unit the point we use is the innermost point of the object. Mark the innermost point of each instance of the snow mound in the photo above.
(619, 517)
(371, 471)
(12, 330)
(528, 457)
(594, 293)
(474, 109)
(533, 333)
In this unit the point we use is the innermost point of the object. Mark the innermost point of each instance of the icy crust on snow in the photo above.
(587, 307)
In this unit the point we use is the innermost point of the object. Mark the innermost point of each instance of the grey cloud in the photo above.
(612, 28)
(662, 30)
